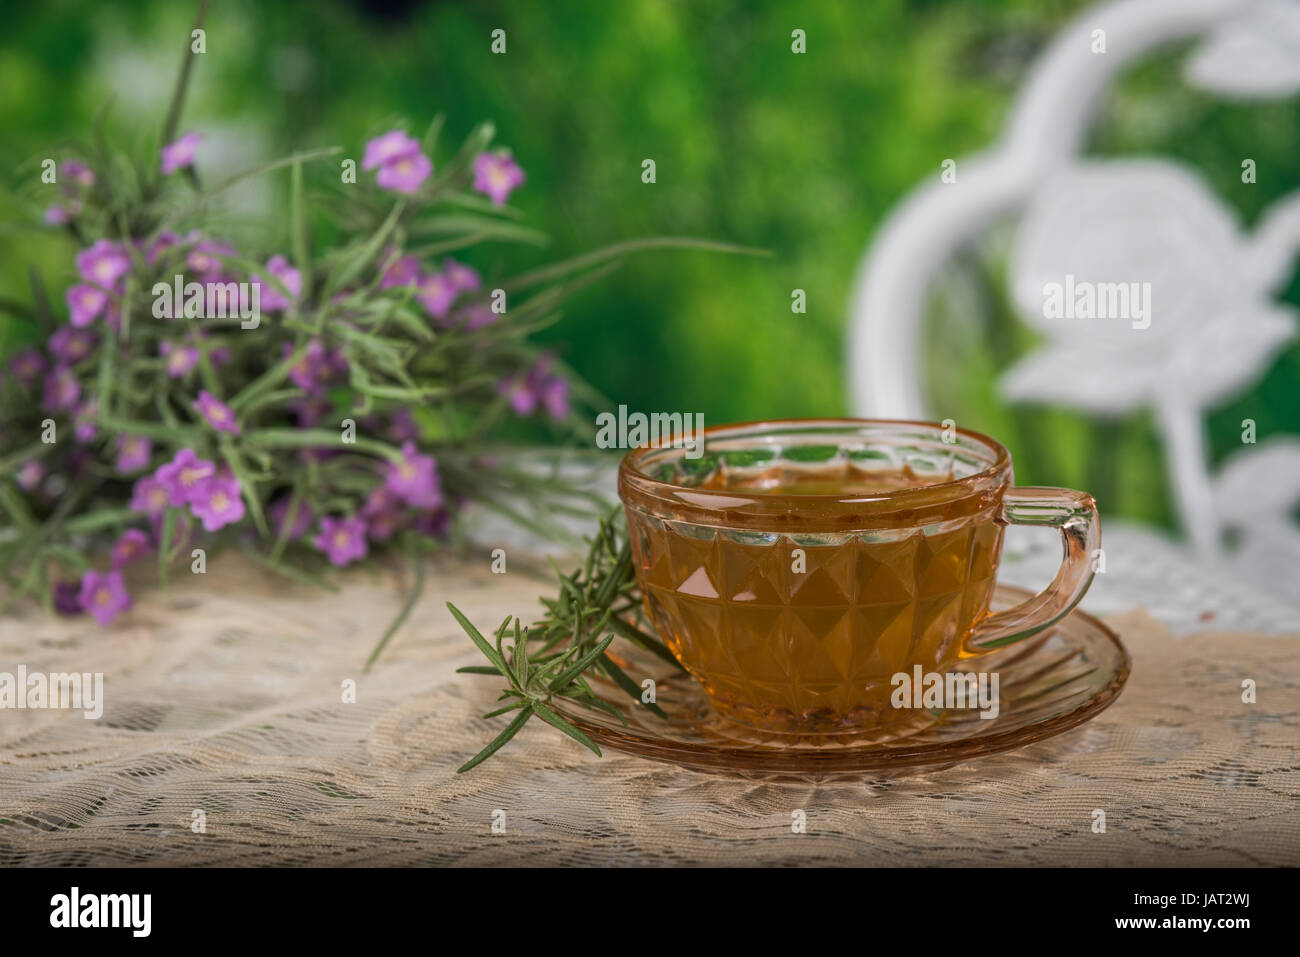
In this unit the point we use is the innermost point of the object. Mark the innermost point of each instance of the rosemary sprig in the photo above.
(566, 645)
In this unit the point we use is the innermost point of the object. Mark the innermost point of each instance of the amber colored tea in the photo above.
(804, 632)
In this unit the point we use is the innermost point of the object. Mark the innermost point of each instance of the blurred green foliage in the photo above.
(801, 154)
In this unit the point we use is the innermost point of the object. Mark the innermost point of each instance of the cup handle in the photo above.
(1075, 514)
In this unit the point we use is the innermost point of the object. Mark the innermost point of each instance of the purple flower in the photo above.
(290, 278)
(414, 480)
(85, 302)
(165, 241)
(84, 420)
(132, 546)
(216, 413)
(29, 475)
(57, 215)
(180, 153)
(103, 595)
(405, 174)
(478, 316)
(182, 476)
(402, 426)
(315, 367)
(462, 277)
(104, 263)
(180, 359)
(391, 146)
(404, 271)
(203, 257)
(151, 495)
(437, 293)
(306, 371)
(70, 345)
(67, 600)
(218, 502)
(302, 522)
(133, 452)
(435, 523)
(383, 512)
(27, 366)
(79, 172)
(496, 175)
(522, 398)
(538, 387)
(343, 540)
(62, 390)
(555, 398)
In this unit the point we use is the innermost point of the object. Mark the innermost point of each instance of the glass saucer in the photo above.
(1049, 684)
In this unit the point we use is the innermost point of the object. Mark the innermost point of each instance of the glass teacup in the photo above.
(796, 568)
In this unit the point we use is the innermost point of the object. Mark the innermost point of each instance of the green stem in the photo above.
(417, 563)
(183, 80)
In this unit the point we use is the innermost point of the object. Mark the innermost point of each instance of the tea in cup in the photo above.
(797, 567)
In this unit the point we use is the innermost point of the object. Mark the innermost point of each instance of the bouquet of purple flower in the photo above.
(310, 405)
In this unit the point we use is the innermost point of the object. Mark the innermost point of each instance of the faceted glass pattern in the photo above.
(809, 645)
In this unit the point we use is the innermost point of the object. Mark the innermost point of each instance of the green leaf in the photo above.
(14, 460)
(643, 641)
(182, 80)
(353, 262)
(298, 231)
(430, 143)
(40, 299)
(484, 226)
(189, 209)
(513, 706)
(620, 678)
(98, 519)
(583, 662)
(417, 566)
(566, 267)
(521, 656)
(171, 435)
(165, 543)
(16, 308)
(555, 721)
(319, 439)
(476, 636)
(236, 462)
(16, 508)
(268, 380)
(498, 742)
(478, 140)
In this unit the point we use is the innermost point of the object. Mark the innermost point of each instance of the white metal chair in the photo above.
(1217, 323)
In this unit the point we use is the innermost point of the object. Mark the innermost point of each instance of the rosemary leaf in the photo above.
(498, 741)
(555, 721)
(598, 600)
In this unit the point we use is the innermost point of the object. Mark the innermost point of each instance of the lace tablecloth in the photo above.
(226, 740)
